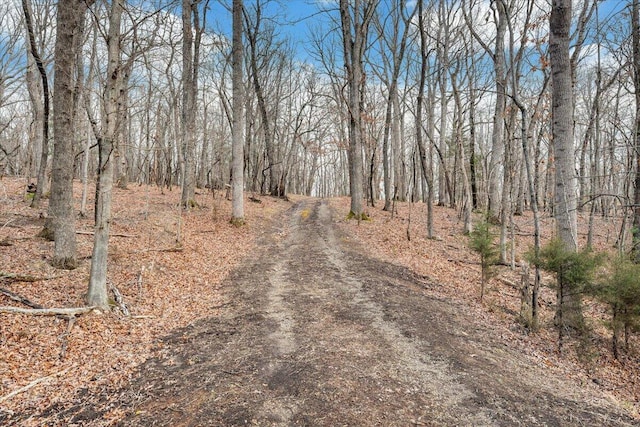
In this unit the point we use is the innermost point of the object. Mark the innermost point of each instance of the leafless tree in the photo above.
(237, 216)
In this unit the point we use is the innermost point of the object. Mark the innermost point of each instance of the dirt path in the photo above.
(319, 334)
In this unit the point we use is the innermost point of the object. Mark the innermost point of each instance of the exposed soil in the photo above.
(319, 333)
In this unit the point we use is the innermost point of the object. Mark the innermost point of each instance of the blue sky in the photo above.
(295, 17)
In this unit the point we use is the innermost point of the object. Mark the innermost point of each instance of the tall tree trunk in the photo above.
(635, 29)
(497, 171)
(237, 183)
(61, 219)
(570, 314)
(188, 116)
(426, 167)
(40, 106)
(562, 124)
(97, 294)
(354, 37)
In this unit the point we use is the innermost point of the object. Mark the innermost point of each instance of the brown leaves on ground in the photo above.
(452, 270)
(167, 264)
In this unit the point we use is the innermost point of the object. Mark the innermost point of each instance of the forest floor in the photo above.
(300, 318)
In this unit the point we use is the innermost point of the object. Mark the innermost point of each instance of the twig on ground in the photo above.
(19, 298)
(32, 384)
(140, 279)
(23, 278)
(117, 296)
(91, 233)
(65, 337)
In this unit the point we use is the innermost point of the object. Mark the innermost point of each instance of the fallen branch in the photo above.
(91, 233)
(24, 278)
(31, 385)
(47, 311)
(171, 249)
(510, 283)
(20, 298)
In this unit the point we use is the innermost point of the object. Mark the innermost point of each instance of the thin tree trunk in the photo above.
(426, 167)
(237, 184)
(188, 118)
(354, 37)
(97, 293)
(635, 25)
(40, 106)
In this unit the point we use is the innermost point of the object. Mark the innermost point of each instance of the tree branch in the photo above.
(47, 311)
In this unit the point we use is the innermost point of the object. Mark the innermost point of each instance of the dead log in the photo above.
(23, 278)
(47, 311)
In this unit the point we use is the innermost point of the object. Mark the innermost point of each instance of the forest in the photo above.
(520, 117)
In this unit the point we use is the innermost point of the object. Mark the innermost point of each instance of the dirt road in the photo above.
(318, 334)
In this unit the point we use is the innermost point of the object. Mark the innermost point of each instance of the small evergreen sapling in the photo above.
(481, 240)
(619, 288)
(574, 273)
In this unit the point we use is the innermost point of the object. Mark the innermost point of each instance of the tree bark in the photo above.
(355, 28)
(562, 124)
(237, 216)
(61, 219)
(188, 116)
(425, 166)
(97, 294)
(635, 30)
(569, 310)
(40, 105)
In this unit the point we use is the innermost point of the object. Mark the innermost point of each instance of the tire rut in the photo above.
(319, 334)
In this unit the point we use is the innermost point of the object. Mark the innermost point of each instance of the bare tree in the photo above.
(40, 105)
(392, 51)
(424, 160)
(635, 32)
(570, 314)
(61, 219)
(97, 294)
(190, 65)
(355, 18)
(237, 183)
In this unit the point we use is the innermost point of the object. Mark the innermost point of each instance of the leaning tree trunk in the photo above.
(40, 107)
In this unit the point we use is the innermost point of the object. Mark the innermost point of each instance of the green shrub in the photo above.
(481, 240)
(619, 288)
(574, 273)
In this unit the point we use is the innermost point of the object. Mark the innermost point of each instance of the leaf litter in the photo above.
(169, 264)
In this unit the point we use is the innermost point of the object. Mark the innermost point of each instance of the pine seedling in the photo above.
(481, 240)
